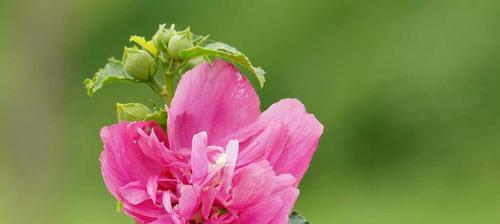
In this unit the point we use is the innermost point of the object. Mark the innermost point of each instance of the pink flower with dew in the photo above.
(223, 161)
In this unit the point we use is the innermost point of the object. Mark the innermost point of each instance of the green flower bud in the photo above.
(138, 63)
(132, 112)
(181, 40)
(196, 61)
(162, 36)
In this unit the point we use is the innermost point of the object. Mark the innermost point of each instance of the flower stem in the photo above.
(160, 90)
(167, 91)
(169, 88)
(180, 68)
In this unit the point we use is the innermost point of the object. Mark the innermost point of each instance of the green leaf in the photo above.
(132, 112)
(295, 218)
(218, 49)
(113, 71)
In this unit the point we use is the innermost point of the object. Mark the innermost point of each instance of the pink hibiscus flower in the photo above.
(223, 161)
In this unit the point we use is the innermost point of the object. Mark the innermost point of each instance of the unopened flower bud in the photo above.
(181, 40)
(196, 61)
(162, 36)
(132, 112)
(138, 63)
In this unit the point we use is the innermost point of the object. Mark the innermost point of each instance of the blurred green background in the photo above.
(408, 92)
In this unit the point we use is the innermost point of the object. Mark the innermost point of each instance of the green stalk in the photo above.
(160, 90)
(169, 89)
(169, 81)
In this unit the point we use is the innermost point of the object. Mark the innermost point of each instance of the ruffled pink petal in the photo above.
(166, 219)
(189, 201)
(152, 187)
(270, 202)
(214, 98)
(122, 160)
(167, 202)
(144, 212)
(207, 199)
(288, 197)
(226, 181)
(283, 181)
(199, 159)
(154, 146)
(271, 139)
(262, 213)
(133, 193)
(285, 135)
(252, 184)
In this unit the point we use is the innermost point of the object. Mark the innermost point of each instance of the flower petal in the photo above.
(288, 197)
(145, 212)
(134, 193)
(152, 187)
(214, 98)
(199, 159)
(207, 199)
(154, 146)
(259, 196)
(262, 213)
(252, 184)
(271, 139)
(122, 160)
(189, 201)
(285, 135)
(164, 220)
(226, 181)
(167, 202)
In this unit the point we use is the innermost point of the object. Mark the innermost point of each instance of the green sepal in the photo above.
(227, 52)
(296, 218)
(140, 112)
(160, 116)
(113, 71)
(132, 112)
(119, 206)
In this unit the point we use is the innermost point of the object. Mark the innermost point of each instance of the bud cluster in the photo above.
(170, 42)
(165, 44)
(169, 52)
